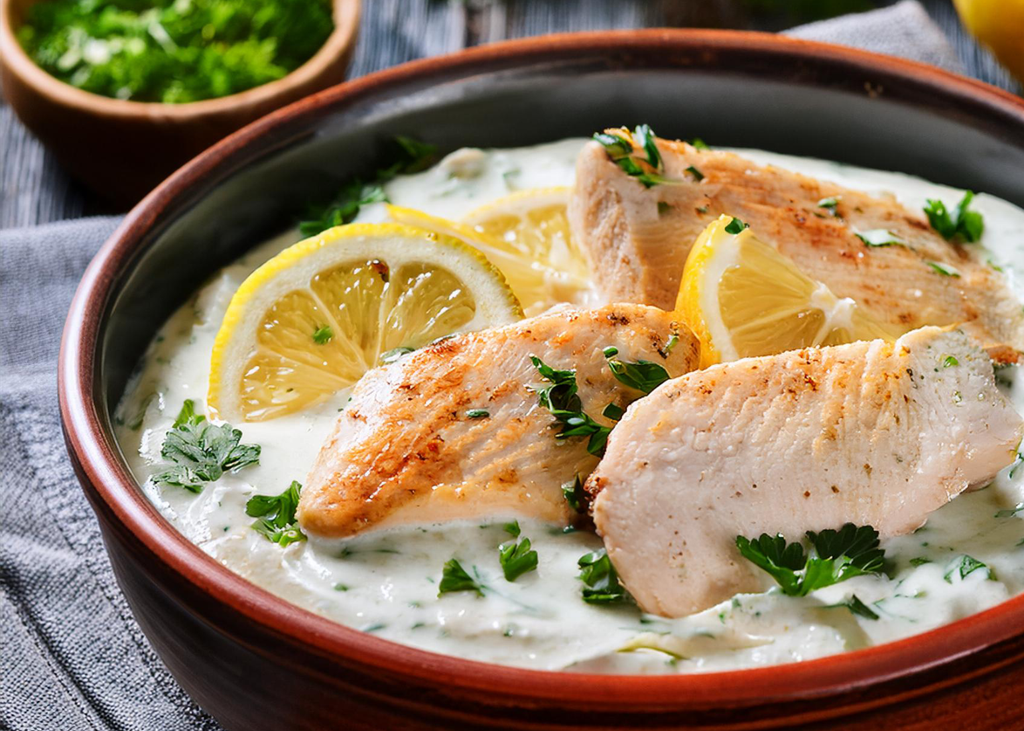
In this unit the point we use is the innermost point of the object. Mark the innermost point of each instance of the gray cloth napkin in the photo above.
(72, 656)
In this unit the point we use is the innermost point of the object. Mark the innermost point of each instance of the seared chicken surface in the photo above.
(637, 240)
(871, 433)
(455, 429)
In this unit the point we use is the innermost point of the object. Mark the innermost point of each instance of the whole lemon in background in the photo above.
(999, 25)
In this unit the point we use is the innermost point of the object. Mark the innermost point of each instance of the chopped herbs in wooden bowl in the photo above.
(173, 51)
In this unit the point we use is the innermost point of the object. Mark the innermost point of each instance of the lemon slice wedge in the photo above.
(525, 235)
(743, 298)
(312, 320)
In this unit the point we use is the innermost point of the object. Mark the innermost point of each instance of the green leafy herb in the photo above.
(478, 413)
(697, 174)
(402, 155)
(735, 226)
(601, 581)
(173, 51)
(276, 515)
(1010, 512)
(643, 375)
(574, 493)
(322, 335)
(698, 143)
(834, 556)
(390, 356)
(512, 528)
(949, 361)
(649, 169)
(943, 269)
(516, 557)
(880, 237)
(202, 452)
(964, 566)
(562, 400)
(673, 340)
(455, 578)
(855, 605)
(613, 411)
(962, 225)
(919, 561)
(829, 204)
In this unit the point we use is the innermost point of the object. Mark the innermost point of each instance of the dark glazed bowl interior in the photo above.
(731, 89)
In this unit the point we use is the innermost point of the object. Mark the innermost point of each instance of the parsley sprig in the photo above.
(455, 578)
(404, 155)
(563, 401)
(643, 375)
(834, 556)
(962, 225)
(600, 579)
(647, 169)
(275, 515)
(202, 452)
(516, 556)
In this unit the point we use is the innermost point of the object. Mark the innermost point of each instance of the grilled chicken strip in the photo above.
(871, 433)
(637, 240)
(409, 447)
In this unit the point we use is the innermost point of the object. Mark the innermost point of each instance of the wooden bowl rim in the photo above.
(104, 474)
(346, 25)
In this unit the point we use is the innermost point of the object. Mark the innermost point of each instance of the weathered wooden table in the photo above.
(34, 189)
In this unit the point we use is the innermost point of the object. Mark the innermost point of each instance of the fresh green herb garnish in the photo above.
(403, 155)
(949, 361)
(390, 356)
(834, 556)
(879, 237)
(202, 452)
(601, 581)
(829, 204)
(673, 339)
(512, 528)
(943, 269)
(516, 557)
(697, 174)
(574, 493)
(613, 411)
(562, 400)
(919, 561)
(964, 566)
(478, 413)
(698, 143)
(664, 208)
(172, 51)
(962, 225)
(276, 515)
(643, 375)
(455, 578)
(735, 226)
(322, 335)
(619, 147)
(855, 605)
(1010, 512)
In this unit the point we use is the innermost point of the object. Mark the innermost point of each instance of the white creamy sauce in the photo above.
(386, 582)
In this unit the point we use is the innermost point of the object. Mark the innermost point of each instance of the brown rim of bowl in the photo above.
(346, 23)
(102, 466)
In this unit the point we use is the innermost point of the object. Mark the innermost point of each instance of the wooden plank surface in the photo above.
(34, 189)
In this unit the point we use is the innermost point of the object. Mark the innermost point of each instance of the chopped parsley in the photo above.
(698, 143)
(829, 204)
(1010, 512)
(455, 578)
(673, 339)
(943, 269)
(963, 225)
(574, 493)
(735, 226)
(834, 556)
(202, 452)
(562, 400)
(276, 515)
(512, 528)
(403, 155)
(648, 169)
(322, 335)
(879, 237)
(697, 174)
(516, 556)
(601, 581)
(963, 566)
(919, 561)
(643, 375)
(855, 605)
(949, 361)
(478, 413)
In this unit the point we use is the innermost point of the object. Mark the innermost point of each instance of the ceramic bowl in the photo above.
(122, 149)
(255, 661)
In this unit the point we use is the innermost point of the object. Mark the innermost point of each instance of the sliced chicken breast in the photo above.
(455, 430)
(871, 433)
(637, 240)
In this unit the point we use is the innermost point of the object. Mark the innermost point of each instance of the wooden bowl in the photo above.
(255, 661)
(122, 149)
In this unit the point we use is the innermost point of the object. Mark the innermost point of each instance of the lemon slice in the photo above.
(743, 298)
(529, 254)
(316, 317)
